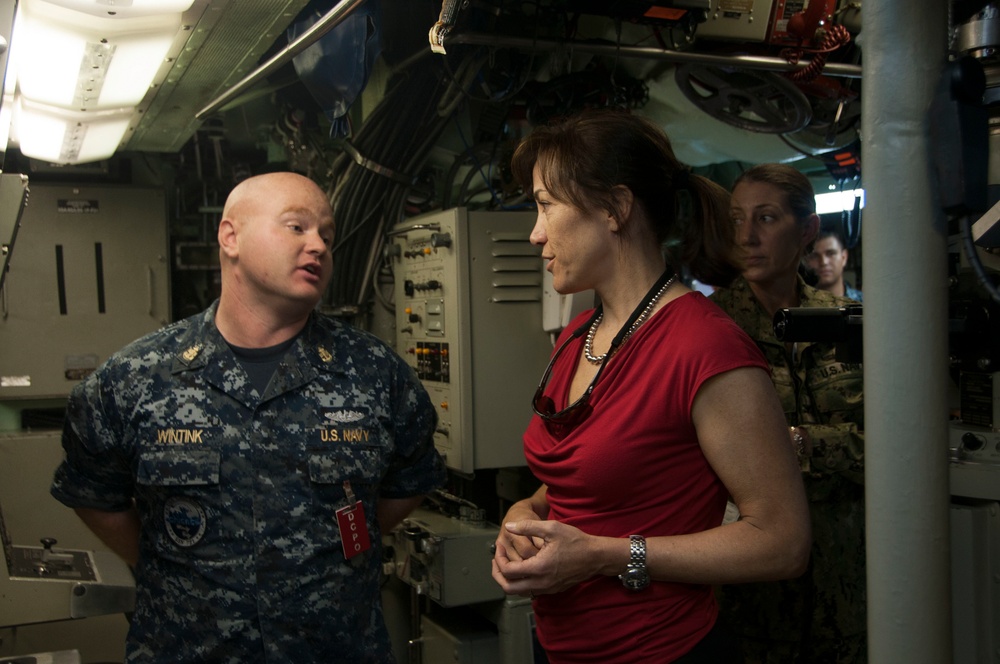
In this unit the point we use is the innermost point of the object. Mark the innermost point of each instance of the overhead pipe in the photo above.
(344, 8)
(328, 22)
(741, 61)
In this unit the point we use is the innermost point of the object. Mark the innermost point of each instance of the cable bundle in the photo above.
(374, 174)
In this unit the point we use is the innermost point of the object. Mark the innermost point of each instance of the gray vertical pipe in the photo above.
(905, 337)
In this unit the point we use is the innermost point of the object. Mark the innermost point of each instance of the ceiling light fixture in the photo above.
(61, 136)
(82, 66)
(838, 201)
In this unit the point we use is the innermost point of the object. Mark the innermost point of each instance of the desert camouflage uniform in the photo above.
(819, 617)
(240, 553)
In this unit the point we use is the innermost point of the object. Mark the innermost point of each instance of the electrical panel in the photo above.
(90, 274)
(737, 20)
(979, 394)
(52, 567)
(445, 558)
(468, 293)
(757, 20)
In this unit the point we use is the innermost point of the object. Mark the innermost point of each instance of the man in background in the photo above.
(827, 261)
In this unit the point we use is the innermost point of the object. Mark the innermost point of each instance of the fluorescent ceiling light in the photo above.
(82, 66)
(125, 9)
(838, 201)
(60, 136)
(69, 59)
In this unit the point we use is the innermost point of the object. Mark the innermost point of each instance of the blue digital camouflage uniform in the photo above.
(240, 553)
(819, 617)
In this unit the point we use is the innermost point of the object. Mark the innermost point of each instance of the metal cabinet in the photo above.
(90, 274)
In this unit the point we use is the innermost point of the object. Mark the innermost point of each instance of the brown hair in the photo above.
(585, 157)
(798, 190)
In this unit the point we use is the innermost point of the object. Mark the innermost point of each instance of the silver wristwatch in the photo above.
(635, 576)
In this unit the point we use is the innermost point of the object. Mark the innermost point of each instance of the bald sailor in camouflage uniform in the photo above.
(247, 460)
(819, 617)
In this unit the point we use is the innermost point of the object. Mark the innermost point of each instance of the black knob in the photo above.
(440, 240)
(48, 543)
(972, 442)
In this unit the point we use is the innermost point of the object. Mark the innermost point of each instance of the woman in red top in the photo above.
(654, 409)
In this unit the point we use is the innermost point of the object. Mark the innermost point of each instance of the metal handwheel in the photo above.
(757, 101)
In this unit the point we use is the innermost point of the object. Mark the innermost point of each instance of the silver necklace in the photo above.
(588, 347)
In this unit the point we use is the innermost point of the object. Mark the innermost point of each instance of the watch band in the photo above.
(637, 550)
(635, 576)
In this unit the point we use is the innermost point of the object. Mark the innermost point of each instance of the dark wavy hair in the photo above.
(583, 159)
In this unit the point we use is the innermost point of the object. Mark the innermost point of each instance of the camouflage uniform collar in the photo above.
(199, 342)
(202, 340)
(318, 345)
(814, 297)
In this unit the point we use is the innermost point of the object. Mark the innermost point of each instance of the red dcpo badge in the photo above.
(353, 529)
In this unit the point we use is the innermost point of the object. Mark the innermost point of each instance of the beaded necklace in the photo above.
(588, 347)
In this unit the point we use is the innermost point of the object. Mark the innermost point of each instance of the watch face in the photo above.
(635, 578)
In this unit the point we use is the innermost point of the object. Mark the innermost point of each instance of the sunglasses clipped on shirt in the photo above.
(560, 423)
